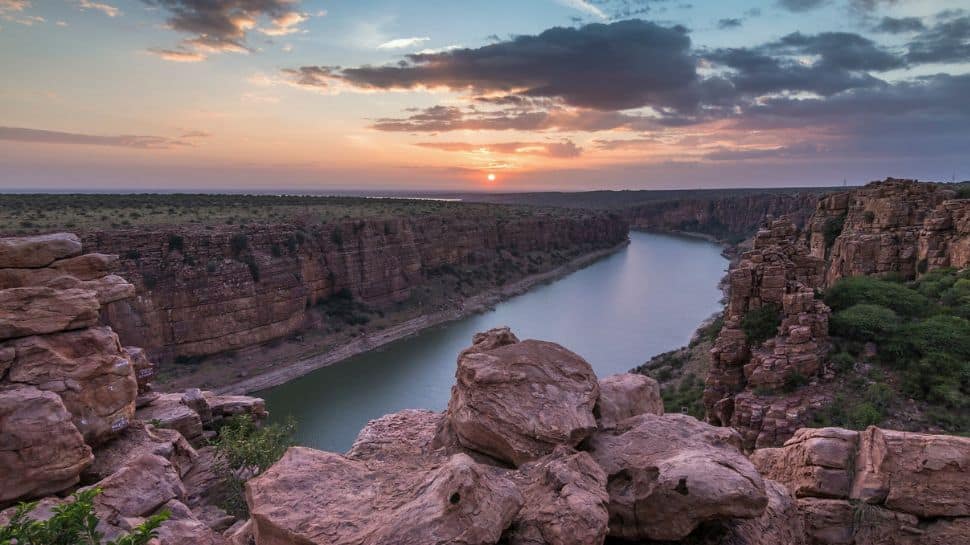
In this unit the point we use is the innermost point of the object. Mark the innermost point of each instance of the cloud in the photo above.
(562, 149)
(403, 43)
(177, 55)
(805, 149)
(729, 23)
(894, 25)
(13, 10)
(621, 65)
(584, 6)
(799, 6)
(948, 41)
(313, 77)
(107, 9)
(38, 136)
(222, 25)
(452, 118)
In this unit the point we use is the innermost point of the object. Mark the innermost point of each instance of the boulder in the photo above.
(403, 436)
(169, 411)
(90, 372)
(489, 340)
(37, 250)
(138, 489)
(223, 406)
(840, 522)
(814, 462)
(667, 474)
(41, 452)
(626, 395)
(41, 310)
(184, 528)
(313, 497)
(140, 439)
(87, 266)
(144, 368)
(517, 402)
(565, 501)
(925, 475)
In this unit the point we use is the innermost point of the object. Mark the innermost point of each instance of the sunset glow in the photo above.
(324, 95)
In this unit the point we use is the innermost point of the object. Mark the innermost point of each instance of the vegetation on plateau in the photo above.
(72, 523)
(921, 334)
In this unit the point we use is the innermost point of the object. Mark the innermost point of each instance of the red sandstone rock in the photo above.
(667, 474)
(565, 501)
(401, 436)
(138, 489)
(39, 310)
(38, 250)
(184, 528)
(519, 401)
(169, 411)
(41, 452)
(140, 439)
(87, 368)
(313, 497)
(780, 524)
(815, 462)
(626, 395)
(87, 266)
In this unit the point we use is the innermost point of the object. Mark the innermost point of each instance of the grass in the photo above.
(34, 213)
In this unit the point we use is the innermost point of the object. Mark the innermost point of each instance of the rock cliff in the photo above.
(77, 408)
(767, 388)
(894, 226)
(201, 291)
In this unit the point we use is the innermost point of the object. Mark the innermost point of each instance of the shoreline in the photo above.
(475, 304)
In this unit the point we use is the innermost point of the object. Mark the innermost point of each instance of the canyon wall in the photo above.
(894, 226)
(727, 218)
(767, 389)
(202, 291)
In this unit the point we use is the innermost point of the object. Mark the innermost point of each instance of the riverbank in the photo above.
(329, 355)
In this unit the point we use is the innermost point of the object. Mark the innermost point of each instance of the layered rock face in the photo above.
(877, 486)
(73, 401)
(536, 469)
(734, 217)
(777, 276)
(206, 291)
(893, 226)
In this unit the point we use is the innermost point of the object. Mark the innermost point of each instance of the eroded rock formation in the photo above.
(207, 291)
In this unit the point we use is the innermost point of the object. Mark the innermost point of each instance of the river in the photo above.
(617, 313)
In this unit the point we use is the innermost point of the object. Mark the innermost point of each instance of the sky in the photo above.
(497, 95)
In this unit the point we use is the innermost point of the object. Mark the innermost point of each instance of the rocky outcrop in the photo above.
(776, 278)
(207, 291)
(667, 474)
(626, 395)
(874, 487)
(516, 402)
(894, 226)
(68, 393)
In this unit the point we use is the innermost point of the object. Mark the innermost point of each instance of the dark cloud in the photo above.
(561, 149)
(309, 76)
(452, 118)
(38, 136)
(222, 25)
(622, 65)
(899, 25)
(729, 23)
(800, 5)
(804, 149)
(840, 50)
(946, 41)
(866, 6)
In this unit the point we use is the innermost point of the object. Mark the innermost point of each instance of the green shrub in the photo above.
(337, 237)
(794, 381)
(72, 523)
(864, 322)
(244, 450)
(687, 397)
(867, 290)
(175, 243)
(762, 323)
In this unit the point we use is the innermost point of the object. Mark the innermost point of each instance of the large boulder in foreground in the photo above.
(38, 250)
(667, 474)
(625, 395)
(88, 369)
(41, 452)
(314, 497)
(41, 310)
(565, 501)
(815, 462)
(518, 401)
(921, 474)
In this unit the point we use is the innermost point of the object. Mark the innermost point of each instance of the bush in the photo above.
(337, 237)
(72, 523)
(239, 243)
(175, 243)
(794, 381)
(762, 323)
(243, 451)
(864, 323)
(253, 266)
(856, 290)
(688, 397)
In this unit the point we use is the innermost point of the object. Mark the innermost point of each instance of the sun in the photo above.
(491, 177)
